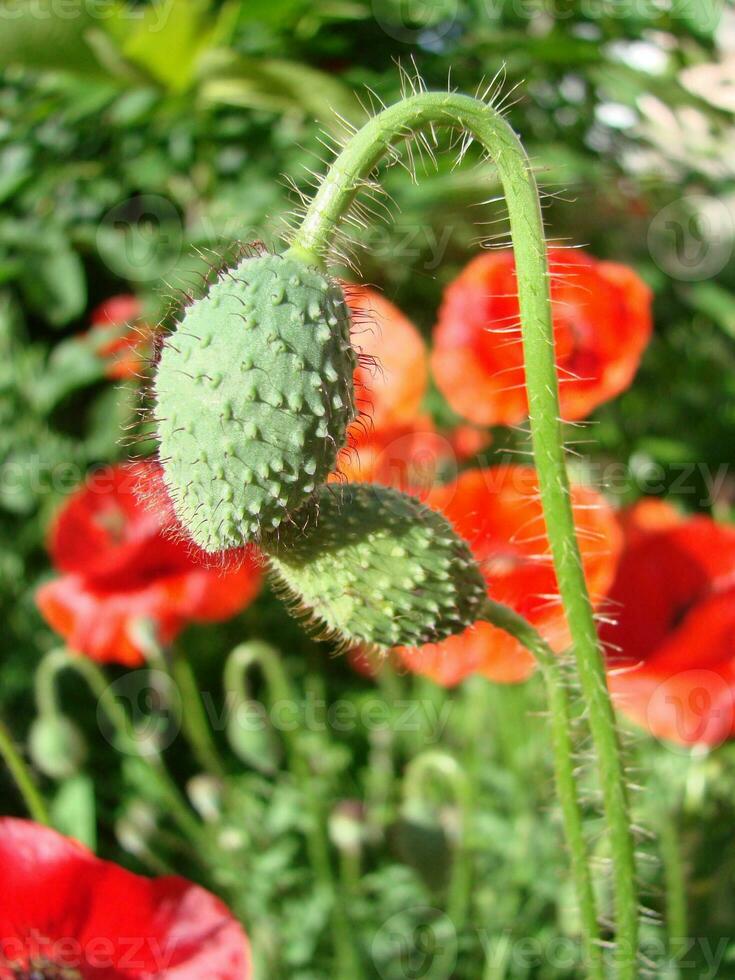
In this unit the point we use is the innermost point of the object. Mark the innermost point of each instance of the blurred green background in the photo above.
(134, 138)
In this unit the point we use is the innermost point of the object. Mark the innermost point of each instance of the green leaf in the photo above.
(73, 810)
(74, 363)
(54, 284)
(167, 39)
(35, 34)
(716, 302)
(15, 168)
(275, 85)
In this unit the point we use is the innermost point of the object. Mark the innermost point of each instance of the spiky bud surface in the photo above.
(254, 393)
(375, 567)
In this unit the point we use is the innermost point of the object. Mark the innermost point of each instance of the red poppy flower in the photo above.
(393, 374)
(671, 629)
(122, 342)
(499, 513)
(602, 324)
(467, 441)
(392, 443)
(68, 915)
(413, 458)
(119, 566)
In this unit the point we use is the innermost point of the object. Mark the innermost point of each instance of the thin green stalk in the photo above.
(337, 191)
(118, 717)
(675, 876)
(446, 768)
(242, 658)
(194, 717)
(566, 786)
(194, 721)
(99, 684)
(22, 777)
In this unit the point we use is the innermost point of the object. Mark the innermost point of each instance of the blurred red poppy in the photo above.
(123, 341)
(602, 324)
(467, 441)
(413, 458)
(499, 513)
(119, 566)
(65, 913)
(671, 630)
(394, 371)
(392, 442)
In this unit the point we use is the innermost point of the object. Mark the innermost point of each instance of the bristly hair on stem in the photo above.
(475, 120)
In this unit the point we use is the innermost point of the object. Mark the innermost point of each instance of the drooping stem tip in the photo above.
(311, 241)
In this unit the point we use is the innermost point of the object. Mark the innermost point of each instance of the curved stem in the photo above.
(310, 242)
(446, 768)
(99, 685)
(194, 717)
(566, 786)
(22, 777)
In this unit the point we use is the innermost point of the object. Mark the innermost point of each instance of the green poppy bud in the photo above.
(56, 746)
(375, 567)
(254, 394)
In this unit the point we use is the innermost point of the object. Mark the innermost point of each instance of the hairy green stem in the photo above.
(566, 787)
(23, 778)
(337, 191)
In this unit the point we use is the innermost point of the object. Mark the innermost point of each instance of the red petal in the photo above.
(602, 324)
(117, 309)
(214, 594)
(499, 513)
(671, 647)
(61, 901)
(685, 691)
(481, 649)
(412, 458)
(103, 527)
(391, 381)
(100, 625)
(123, 568)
